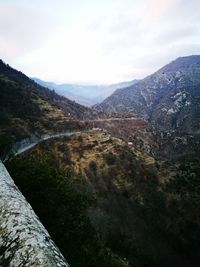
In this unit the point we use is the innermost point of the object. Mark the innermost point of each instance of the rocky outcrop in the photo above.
(23, 239)
(169, 98)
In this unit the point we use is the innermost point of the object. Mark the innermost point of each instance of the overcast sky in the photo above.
(96, 41)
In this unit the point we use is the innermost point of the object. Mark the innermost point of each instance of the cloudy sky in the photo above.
(96, 41)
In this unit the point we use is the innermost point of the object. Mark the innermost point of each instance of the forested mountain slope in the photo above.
(107, 204)
(169, 98)
(27, 108)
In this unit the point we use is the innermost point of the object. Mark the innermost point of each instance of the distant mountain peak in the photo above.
(169, 98)
(87, 95)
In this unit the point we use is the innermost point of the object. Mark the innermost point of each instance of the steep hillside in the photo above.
(27, 108)
(106, 204)
(169, 98)
(129, 202)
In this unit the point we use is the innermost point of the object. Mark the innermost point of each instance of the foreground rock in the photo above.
(23, 239)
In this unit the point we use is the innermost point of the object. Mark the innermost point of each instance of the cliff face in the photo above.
(23, 239)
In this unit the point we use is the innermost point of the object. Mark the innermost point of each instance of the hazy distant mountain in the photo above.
(84, 94)
(169, 98)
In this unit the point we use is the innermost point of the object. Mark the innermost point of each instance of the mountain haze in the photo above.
(87, 95)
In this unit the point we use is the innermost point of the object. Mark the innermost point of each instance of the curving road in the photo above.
(27, 144)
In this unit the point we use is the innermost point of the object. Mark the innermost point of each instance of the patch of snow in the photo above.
(180, 102)
(187, 103)
(171, 111)
(178, 94)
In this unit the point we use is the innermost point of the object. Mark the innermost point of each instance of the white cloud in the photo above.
(97, 41)
(22, 30)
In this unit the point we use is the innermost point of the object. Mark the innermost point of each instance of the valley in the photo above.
(115, 185)
(87, 95)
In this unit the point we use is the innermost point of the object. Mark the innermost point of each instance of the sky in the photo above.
(96, 41)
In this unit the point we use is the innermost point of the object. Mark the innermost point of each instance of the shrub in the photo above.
(110, 158)
(93, 166)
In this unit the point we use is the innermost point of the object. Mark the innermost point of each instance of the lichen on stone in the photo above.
(23, 239)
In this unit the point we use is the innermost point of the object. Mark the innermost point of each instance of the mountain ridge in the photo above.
(84, 94)
(29, 109)
(164, 97)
